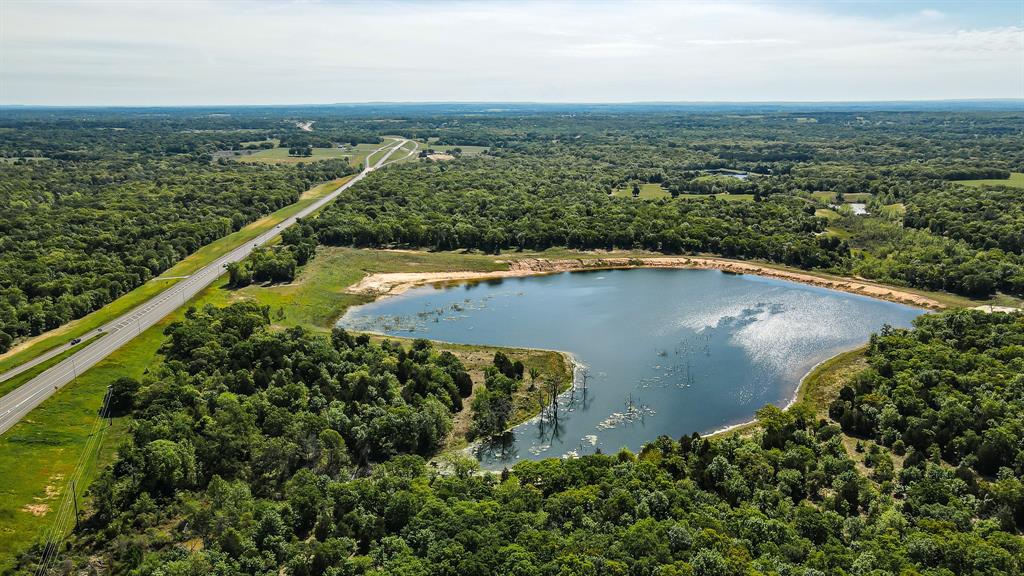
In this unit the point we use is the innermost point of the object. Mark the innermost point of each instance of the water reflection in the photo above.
(658, 351)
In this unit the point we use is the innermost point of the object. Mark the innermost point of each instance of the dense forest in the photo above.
(534, 203)
(254, 451)
(93, 211)
(548, 181)
(99, 201)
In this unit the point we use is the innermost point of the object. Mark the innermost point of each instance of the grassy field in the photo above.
(827, 213)
(218, 248)
(830, 197)
(466, 150)
(39, 453)
(1016, 180)
(647, 192)
(317, 297)
(13, 383)
(280, 156)
(76, 328)
(722, 196)
(893, 211)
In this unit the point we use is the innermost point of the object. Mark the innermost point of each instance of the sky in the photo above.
(318, 52)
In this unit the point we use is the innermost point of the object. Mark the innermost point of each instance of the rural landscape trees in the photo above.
(252, 448)
(298, 450)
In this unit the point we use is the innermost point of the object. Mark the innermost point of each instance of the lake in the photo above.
(664, 351)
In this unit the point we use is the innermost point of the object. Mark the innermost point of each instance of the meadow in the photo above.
(1016, 180)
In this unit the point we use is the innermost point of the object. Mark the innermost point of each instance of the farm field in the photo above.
(1016, 180)
(280, 156)
(647, 192)
(724, 197)
(830, 197)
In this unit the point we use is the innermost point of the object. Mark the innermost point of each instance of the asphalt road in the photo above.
(16, 404)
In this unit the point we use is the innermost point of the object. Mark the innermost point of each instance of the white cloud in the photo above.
(300, 52)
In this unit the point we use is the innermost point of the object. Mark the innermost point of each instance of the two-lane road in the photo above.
(15, 405)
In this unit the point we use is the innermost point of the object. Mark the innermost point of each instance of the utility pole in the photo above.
(74, 496)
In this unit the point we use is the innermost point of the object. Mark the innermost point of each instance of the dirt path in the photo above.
(398, 282)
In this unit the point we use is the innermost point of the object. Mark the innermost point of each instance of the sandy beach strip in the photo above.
(382, 284)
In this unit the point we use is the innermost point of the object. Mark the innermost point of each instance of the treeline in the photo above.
(950, 391)
(987, 219)
(890, 253)
(249, 448)
(276, 263)
(77, 235)
(533, 203)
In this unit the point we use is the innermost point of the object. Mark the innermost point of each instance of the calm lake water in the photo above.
(666, 351)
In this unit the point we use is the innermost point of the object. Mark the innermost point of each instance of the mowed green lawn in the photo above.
(466, 150)
(830, 197)
(280, 156)
(84, 325)
(647, 192)
(13, 383)
(1016, 180)
(317, 297)
(723, 196)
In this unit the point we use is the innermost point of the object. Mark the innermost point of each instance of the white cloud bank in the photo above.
(195, 52)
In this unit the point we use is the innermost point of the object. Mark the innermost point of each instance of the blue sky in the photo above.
(241, 52)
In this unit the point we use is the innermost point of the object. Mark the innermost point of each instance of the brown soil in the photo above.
(36, 509)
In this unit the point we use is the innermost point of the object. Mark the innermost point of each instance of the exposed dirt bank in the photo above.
(396, 283)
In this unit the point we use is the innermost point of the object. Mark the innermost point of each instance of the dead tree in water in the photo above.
(552, 386)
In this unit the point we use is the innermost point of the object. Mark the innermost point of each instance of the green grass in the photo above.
(280, 156)
(722, 196)
(317, 297)
(647, 192)
(222, 246)
(83, 326)
(202, 257)
(827, 213)
(42, 449)
(361, 151)
(466, 150)
(13, 383)
(1016, 180)
(893, 211)
(830, 197)
(276, 142)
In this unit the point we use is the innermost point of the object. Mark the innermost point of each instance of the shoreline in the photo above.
(381, 285)
(800, 389)
(394, 283)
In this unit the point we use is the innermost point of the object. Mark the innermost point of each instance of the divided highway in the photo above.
(15, 405)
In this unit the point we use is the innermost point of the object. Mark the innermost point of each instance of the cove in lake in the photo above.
(666, 351)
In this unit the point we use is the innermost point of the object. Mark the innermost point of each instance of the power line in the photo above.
(68, 508)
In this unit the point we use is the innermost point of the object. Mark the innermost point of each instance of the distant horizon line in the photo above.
(526, 103)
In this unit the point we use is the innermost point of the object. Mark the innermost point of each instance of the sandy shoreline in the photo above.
(397, 282)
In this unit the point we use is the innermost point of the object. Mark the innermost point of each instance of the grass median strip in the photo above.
(12, 384)
(78, 328)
